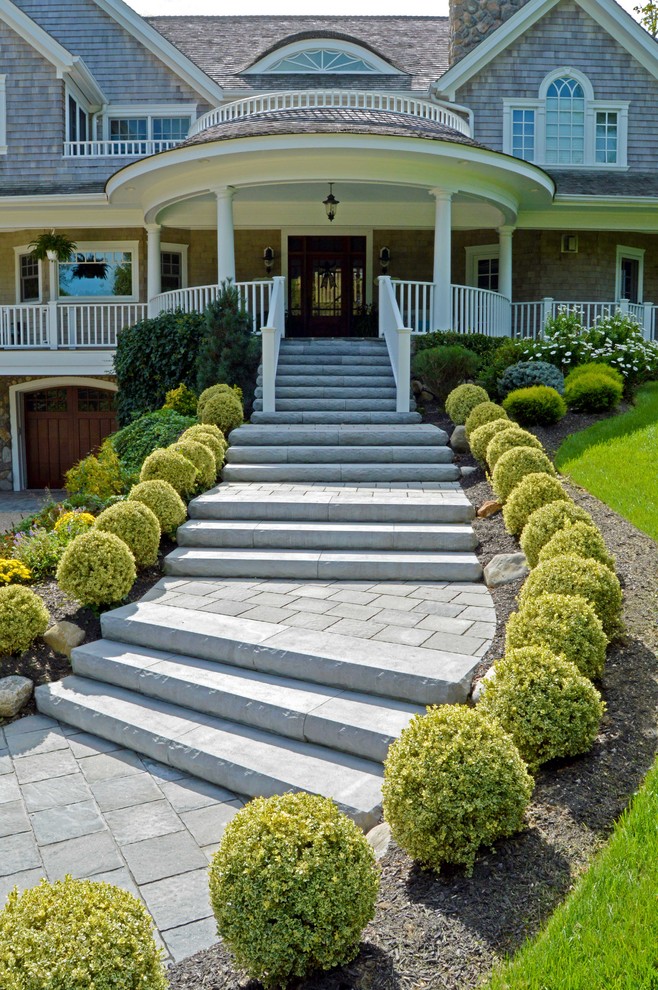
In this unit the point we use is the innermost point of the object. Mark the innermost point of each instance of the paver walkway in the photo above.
(14, 506)
(73, 803)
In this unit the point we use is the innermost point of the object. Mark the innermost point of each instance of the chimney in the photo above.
(472, 20)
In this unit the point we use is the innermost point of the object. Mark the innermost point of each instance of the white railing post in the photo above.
(624, 306)
(647, 319)
(546, 311)
(398, 341)
(404, 369)
(53, 325)
(271, 341)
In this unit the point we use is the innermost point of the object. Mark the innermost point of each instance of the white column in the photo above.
(225, 234)
(153, 264)
(442, 315)
(505, 261)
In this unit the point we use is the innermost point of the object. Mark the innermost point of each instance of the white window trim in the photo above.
(181, 249)
(83, 246)
(592, 106)
(151, 110)
(3, 115)
(18, 251)
(83, 102)
(475, 253)
(379, 67)
(637, 254)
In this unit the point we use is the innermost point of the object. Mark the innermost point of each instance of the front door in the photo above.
(326, 282)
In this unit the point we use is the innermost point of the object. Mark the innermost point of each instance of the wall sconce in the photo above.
(331, 204)
(268, 259)
(384, 260)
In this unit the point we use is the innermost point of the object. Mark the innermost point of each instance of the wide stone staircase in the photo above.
(320, 596)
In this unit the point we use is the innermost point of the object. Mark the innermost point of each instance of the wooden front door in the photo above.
(63, 425)
(326, 283)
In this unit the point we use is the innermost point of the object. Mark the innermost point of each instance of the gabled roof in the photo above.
(608, 14)
(224, 47)
(65, 63)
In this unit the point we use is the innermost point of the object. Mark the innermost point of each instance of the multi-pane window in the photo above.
(606, 137)
(171, 270)
(565, 122)
(170, 128)
(129, 129)
(314, 60)
(29, 278)
(138, 130)
(523, 134)
(486, 274)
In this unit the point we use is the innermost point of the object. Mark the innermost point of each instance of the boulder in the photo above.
(505, 567)
(15, 692)
(64, 637)
(379, 838)
(477, 690)
(458, 440)
(467, 470)
(489, 508)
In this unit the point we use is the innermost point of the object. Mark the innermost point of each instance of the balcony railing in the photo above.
(255, 297)
(338, 98)
(76, 326)
(115, 149)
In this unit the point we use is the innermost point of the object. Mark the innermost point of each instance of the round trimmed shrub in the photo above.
(463, 400)
(203, 459)
(535, 405)
(292, 886)
(138, 527)
(514, 437)
(581, 539)
(223, 410)
(453, 781)
(531, 492)
(78, 934)
(598, 368)
(208, 428)
(545, 521)
(572, 575)
(593, 393)
(565, 624)
(484, 412)
(549, 709)
(169, 465)
(23, 617)
(97, 568)
(163, 501)
(208, 440)
(480, 439)
(210, 393)
(514, 465)
(525, 374)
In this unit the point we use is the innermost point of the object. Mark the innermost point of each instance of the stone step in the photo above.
(302, 454)
(340, 363)
(310, 393)
(243, 759)
(342, 418)
(347, 721)
(340, 472)
(334, 345)
(421, 435)
(332, 381)
(327, 536)
(325, 565)
(331, 405)
(308, 505)
(299, 369)
(344, 663)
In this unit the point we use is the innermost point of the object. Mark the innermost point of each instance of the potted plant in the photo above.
(52, 246)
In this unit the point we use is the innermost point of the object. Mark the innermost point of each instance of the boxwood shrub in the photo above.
(198, 434)
(549, 709)
(480, 439)
(572, 575)
(97, 568)
(23, 617)
(515, 436)
(203, 459)
(566, 624)
(578, 538)
(593, 393)
(164, 501)
(537, 404)
(169, 465)
(483, 413)
(292, 886)
(453, 781)
(514, 465)
(220, 406)
(138, 527)
(462, 400)
(546, 521)
(531, 492)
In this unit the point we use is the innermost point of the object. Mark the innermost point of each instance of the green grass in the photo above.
(617, 461)
(605, 935)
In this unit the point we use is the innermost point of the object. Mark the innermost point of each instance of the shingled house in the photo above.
(488, 166)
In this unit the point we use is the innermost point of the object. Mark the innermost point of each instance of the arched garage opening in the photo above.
(54, 423)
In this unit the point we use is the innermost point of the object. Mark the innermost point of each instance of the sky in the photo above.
(337, 7)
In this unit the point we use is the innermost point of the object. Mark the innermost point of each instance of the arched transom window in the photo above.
(330, 56)
(566, 127)
(322, 60)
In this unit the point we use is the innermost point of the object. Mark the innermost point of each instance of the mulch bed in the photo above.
(447, 931)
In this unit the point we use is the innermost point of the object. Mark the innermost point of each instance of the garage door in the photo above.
(63, 425)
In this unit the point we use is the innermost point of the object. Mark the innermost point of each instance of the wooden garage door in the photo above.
(63, 425)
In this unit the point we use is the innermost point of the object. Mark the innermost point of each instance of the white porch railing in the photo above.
(66, 325)
(529, 318)
(416, 303)
(352, 99)
(256, 298)
(398, 341)
(115, 149)
(480, 311)
(271, 335)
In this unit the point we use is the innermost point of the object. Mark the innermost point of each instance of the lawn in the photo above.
(605, 936)
(617, 461)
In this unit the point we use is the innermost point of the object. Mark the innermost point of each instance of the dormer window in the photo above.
(334, 56)
(566, 127)
(322, 60)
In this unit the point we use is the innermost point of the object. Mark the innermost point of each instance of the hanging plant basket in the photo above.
(52, 247)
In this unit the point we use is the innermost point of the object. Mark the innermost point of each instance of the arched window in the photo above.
(566, 127)
(322, 60)
(328, 56)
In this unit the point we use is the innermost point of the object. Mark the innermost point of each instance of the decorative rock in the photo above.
(467, 469)
(15, 691)
(458, 440)
(426, 395)
(505, 567)
(479, 687)
(489, 508)
(416, 386)
(379, 838)
(63, 637)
